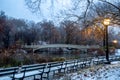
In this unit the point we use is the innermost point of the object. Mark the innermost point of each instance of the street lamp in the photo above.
(115, 43)
(106, 23)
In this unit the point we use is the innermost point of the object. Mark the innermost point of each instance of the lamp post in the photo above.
(106, 22)
(115, 43)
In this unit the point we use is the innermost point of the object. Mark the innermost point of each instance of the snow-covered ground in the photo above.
(95, 72)
(101, 72)
(117, 52)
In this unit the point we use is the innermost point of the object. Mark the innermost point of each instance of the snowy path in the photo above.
(101, 72)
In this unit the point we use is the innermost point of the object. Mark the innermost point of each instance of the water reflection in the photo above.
(62, 52)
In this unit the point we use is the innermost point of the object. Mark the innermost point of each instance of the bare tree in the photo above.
(49, 32)
(83, 10)
(71, 30)
(2, 23)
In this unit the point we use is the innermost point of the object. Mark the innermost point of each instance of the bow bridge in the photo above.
(36, 47)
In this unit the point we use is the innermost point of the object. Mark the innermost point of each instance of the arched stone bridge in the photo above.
(36, 47)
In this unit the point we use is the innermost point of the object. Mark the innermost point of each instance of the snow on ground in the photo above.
(101, 72)
(95, 72)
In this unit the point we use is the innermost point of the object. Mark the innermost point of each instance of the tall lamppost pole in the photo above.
(106, 23)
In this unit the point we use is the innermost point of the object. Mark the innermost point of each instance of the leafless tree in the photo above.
(49, 32)
(71, 30)
(83, 10)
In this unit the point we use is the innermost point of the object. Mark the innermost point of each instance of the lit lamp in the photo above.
(115, 42)
(106, 23)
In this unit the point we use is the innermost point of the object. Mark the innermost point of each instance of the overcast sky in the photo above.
(17, 9)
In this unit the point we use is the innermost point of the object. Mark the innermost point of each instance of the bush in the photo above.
(59, 59)
(9, 62)
(41, 60)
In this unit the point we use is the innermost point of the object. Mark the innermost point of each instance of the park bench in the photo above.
(32, 70)
(88, 62)
(78, 63)
(117, 57)
(53, 67)
(44, 70)
(96, 61)
(28, 72)
(84, 63)
(102, 59)
(112, 58)
(99, 60)
(71, 65)
(68, 65)
(8, 71)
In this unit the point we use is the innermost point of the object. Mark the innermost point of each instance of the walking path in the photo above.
(101, 72)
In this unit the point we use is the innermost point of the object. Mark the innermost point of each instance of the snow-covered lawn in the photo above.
(101, 72)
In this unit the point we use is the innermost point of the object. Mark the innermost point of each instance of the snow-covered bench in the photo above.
(52, 67)
(70, 65)
(24, 72)
(74, 64)
(6, 71)
(83, 62)
(114, 58)
(9, 71)
(39, 69)
(98, 60)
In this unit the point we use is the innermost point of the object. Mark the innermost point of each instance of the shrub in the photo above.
(9, 62)
(59, 59)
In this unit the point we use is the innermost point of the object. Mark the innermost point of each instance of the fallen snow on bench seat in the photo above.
(5, 78)
(27, 74)
(115, 62)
